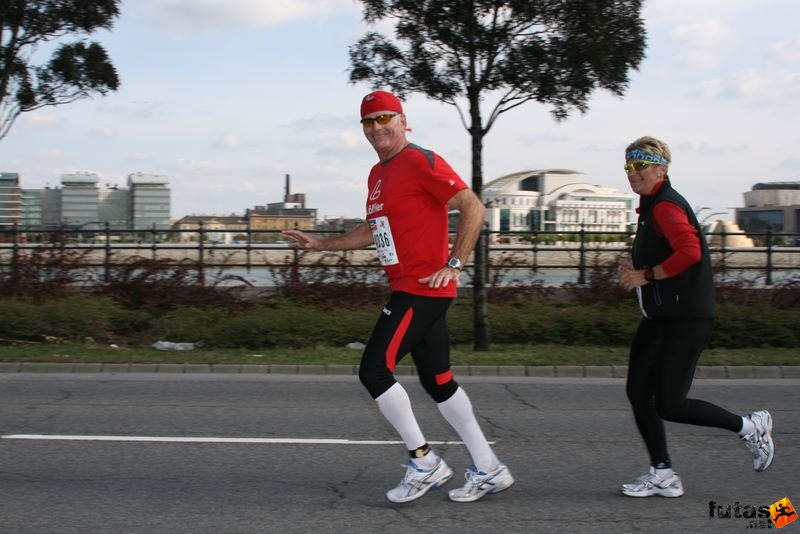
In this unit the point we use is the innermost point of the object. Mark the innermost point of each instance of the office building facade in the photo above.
(149, 201)
(773, 206)
(10, 200)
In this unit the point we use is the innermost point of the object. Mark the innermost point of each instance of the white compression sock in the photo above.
(663, 473)
(395, 406)
(748, 427)
(457, 410)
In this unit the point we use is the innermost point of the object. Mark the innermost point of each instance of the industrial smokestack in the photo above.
(288, 188)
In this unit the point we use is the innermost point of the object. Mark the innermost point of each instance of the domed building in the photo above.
(555, 200)
(727, 234)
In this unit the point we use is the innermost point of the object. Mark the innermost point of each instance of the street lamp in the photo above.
(698, 211)
(707, 217)
(706, 227)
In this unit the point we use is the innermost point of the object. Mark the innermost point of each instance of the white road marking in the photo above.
(178, 439)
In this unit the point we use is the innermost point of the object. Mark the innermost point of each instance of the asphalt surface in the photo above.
(570, 443)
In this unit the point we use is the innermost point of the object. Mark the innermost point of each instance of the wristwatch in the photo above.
(455, 263)
(649, 275)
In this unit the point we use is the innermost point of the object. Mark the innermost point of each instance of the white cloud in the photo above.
(544, 138)
(700, 60)
(226, 14)
(229, 141)
(752, 83)
(754, 87)
(710, 89)
(709, 33)
(773, 87)
(351, 140)
(41, 119)
(55, 155)
(786, 51)
(102, 132)
(202, 166)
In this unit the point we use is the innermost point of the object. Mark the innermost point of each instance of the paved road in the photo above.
(570, 443)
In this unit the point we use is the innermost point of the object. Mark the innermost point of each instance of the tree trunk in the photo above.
(480, 315)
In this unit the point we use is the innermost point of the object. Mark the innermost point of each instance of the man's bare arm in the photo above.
(470, 221)
(358, 237)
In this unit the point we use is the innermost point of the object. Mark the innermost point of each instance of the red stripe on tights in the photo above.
(444, 378)
(397, 338)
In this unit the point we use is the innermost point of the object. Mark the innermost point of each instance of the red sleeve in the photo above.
(443, 182)
(672, 223)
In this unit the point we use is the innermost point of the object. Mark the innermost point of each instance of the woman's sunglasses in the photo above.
(637, 165)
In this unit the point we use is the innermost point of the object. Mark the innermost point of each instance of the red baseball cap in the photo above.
(380, 101)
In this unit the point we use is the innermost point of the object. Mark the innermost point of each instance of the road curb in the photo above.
(546, 371)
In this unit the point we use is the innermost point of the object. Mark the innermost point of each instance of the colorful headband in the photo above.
(640, 154)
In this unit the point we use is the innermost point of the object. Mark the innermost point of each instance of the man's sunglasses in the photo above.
(637, 165)
(383, 120)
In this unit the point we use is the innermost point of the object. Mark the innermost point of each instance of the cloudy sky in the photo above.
(227, 97)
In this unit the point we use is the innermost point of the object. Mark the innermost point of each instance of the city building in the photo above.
(149, 199)
(291, 214)
(555, 200)
(31, 209)
(773, 206)
(10, 200)
(216, 228)
(339, 224)
(113, 207)
(51, 207)
(79, 201)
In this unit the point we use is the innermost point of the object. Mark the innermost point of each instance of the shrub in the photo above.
(287, 324)
(45, 272)
(73, 318)
(756, 326)
(158, 284)
(331, 280)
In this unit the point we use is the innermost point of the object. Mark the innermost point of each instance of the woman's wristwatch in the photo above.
(649, 275)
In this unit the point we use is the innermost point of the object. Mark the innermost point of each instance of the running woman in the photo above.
(410, 191)
(671, 273)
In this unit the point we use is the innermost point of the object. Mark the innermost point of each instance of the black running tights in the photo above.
(661, 367)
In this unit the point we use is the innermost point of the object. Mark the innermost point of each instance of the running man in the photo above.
(410, 191)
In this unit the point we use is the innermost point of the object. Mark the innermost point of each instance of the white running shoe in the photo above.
(479, 484)
(417, 482)
(760, 441)
(651, 484)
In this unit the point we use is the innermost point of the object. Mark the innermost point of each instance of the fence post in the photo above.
(15, 254)
(107, 261)
(769, 257)
(582, 257)
(154, 241)
(723, 236)
(201, 239)
(249, 245)
(535, 240)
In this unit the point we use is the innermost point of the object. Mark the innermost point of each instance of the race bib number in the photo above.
(384, 242)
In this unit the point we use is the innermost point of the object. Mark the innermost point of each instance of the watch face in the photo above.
(454, 263)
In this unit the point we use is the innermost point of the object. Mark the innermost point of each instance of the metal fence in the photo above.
(526, 255)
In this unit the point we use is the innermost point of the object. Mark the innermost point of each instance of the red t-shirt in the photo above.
(407, 213)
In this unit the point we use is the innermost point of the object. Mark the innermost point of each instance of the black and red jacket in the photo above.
(690, 294)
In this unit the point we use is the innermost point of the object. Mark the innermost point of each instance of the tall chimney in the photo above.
(288, 188)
